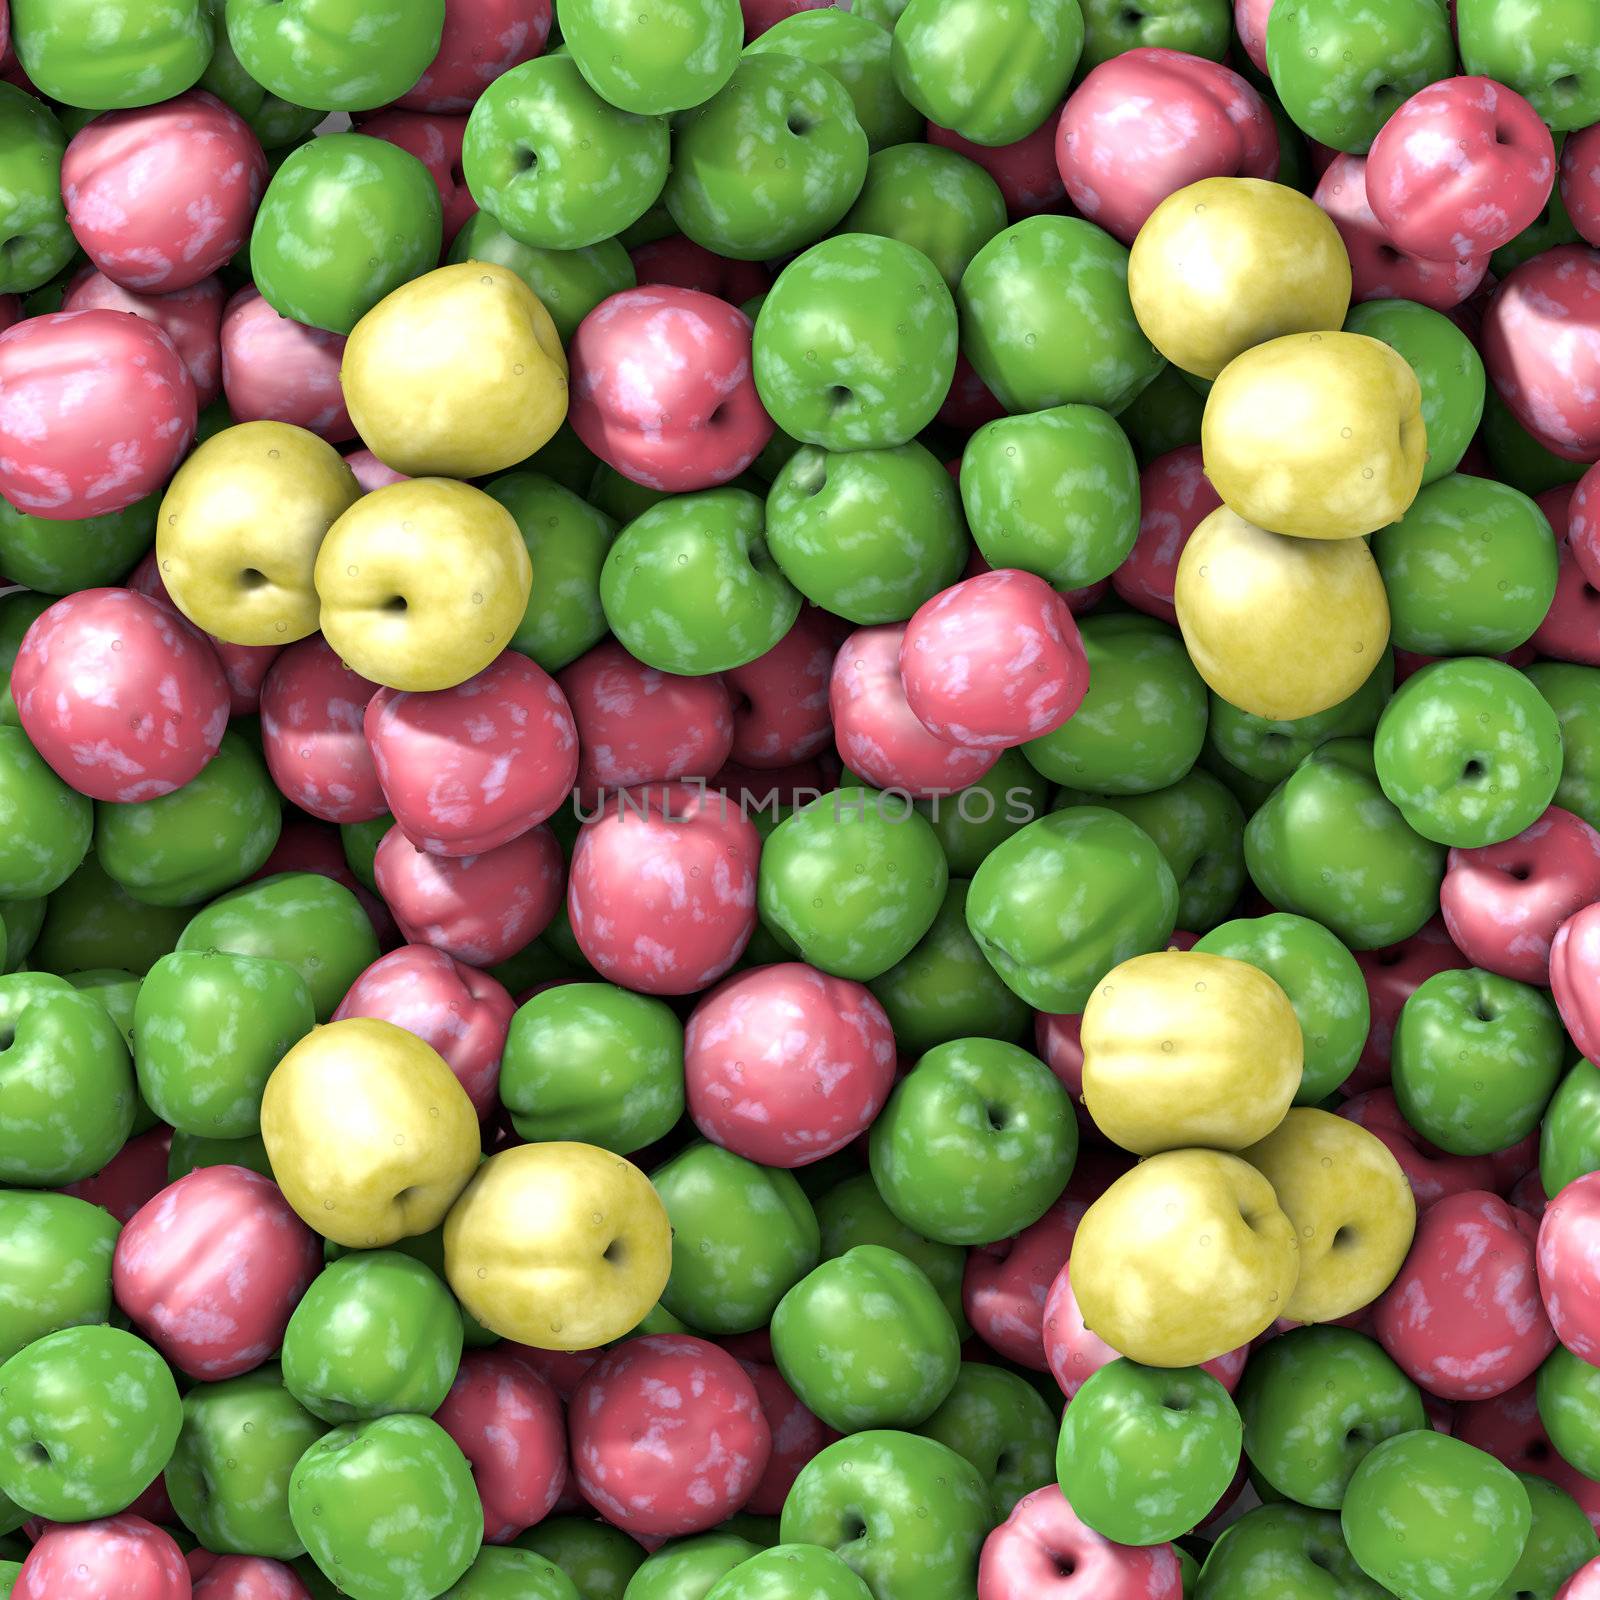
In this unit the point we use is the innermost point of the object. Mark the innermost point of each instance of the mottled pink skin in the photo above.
(461, 1012)
(509, 1425)
(199, 1561)
(876, 731)
(563, 1370)
(467, 769)
(5, 27)
(1575, 978)
(436, 142)
(1582, 522)
(371, 473)
(1509, 1428)
(1025, 170)
(120, 696)
(10, 311)
(1058, 1042)
(797, 1435)
(1460, 169)
(278, 370)
(1504, 902)
(1433, 1174)
(668, 1435)
(96, 411)
(684, 264)
(662, 388)
(637, 725)
(1513, 1164)
(210, 1269)
(780, 704)
(311, 710)
(1580, 181)
(993, 661)
(758, 789)
(162, 196)
(1381, 269)
(1149, 122)
(664, 902)
(249, 1578)
(1571, 627)
(1250, 23)
(1569, 1266)
(1463, 1316)
(1004, 1287)
(122, 1556)
(1175, 497)
(1043, 1552)
(759, 15)
(785, 1065)
(133, 1176)
(479, 909)
(1392, 973)
(968, 404)
(1584, 1584)
(482, 39)
(155, 1505)
(190, 317)
(1541, 345)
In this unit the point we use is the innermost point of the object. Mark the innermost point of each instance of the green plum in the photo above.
(1549, 52)
(91, 921)
(654, 61)
(55, 1265)
(1284, 1552)
(1001, 1424)
(1573, 693)
(791, 1572)
(108, 54)
(686, 1569)
(933, 199)
(598, 1558)
(569, 283)
(1569, 1136)
(59, 557)
(47, 824)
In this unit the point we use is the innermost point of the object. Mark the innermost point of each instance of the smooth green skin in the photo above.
(1055, 493)
(945, 989)
(907, 1514)
(594, 1063)
(989, 69)
(865, 1342)
(973, 821)
(1142, 723)
(653, 60)
(44, 825)
(1476, 1059)
(1569, 1136)
(65, 1080)
(855, 49)
(1568, 1391)
(866, 534)
(1284, 1552)
(1341, 67)
(851, 882)
(105, 54)
(690, 587)
(1469, 751)
(1559, 1542)
(273, 120)
(210, 1026)
(1198, 826)
(1112, 27)
(598, 1558)
(1314, 1402)
(185, 847)
(345, 220)
(686, 1569)
(554, 164)
(63, 557)
(853, 1212)
(376, 1333)
(1549, 53)
(428, 1248)
(500, 1574)
(361, 841)
(10, 1571)
(1448, 368)
(569, 283)
(55, 1265)
(1163, 416)
(33, 221)
(336, 55)
(742, 1236)
(1323, 984)
(18, 610)
(975, 1142)
(1250, 792)
(1327, 844)
(791, 1572)
(621, 498)
(118, 993)
(189, 1152)
(1146, 1452)
(342, 1496)
(933, 199)
(1000, 1423)
(1516, 457)
(91, 922)
(1470, 569)
(229, 1475)
(855, 344)
(1046, 320)
(1573, 693)
(21, 923)
(770, 163)
(315, 925)
(1270, 750)
(1066, 899)
(88, 1417)
(1432, 1518)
